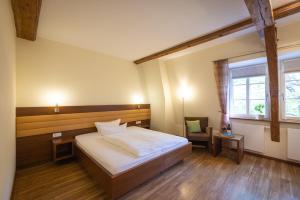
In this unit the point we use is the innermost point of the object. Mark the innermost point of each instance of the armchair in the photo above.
(206, 132)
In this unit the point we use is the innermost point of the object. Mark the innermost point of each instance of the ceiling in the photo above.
(132, 29)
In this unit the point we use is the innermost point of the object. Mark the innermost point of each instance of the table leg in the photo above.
(242, 149)
(217, 146)
(238, 152)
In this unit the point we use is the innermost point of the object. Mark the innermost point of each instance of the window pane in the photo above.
(239, 92)
(292, 89)
(292, 107)
(257, 107)
(239, 81)
(257, 79)
(292, 94)
(239, 107)
(257, 91)
(292, 76)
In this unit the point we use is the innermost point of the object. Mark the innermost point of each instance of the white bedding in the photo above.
(143, 142)
(114, 158)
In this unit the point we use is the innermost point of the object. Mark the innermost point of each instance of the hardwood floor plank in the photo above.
(295, 181)
(200, 176)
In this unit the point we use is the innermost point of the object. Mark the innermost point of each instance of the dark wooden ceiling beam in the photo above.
(26, 14)
(261, 13)
(287, 10)
(283, 11)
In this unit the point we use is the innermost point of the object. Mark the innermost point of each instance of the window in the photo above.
(239, 96)
(290, 84)
(248, 91)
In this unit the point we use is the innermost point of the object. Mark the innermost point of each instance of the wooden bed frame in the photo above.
(117, 185)
(35, 126)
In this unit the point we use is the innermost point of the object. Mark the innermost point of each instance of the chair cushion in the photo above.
(203, 122)
(193, 126)
(200, 136)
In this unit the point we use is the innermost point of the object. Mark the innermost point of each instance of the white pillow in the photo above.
(110, 123)
(108, 130)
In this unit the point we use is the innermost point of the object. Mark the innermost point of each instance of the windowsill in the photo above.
(265, 120)
(250, 119)
(286, 121)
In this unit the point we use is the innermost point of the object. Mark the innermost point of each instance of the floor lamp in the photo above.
(183, 121)
(184, 93)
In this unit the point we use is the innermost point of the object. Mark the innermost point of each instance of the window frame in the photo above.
(282, 98)
(230, 96)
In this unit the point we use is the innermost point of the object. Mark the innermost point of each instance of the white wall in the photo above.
(150, 73)
(169, 121)
(197, 70)
(7, 100)
(156, 80)
(79, 76)
(268, 148)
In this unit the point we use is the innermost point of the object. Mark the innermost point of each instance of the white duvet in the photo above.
(142, 142)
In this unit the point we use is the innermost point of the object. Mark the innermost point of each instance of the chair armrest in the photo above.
(209, 130)
(186, 134)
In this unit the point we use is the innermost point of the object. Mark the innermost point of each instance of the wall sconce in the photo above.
(56, 108)
(55, 98)
(137, 99)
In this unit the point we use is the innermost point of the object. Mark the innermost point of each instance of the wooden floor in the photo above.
(200, 176)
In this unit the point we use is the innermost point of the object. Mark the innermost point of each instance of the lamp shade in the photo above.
(184, 91)
(138, 99)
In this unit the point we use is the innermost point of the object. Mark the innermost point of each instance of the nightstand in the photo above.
(63, 148)
(239, 139)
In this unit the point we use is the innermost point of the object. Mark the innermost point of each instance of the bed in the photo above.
(118, 170)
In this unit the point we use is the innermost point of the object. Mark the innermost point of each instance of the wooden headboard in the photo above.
(35, 126)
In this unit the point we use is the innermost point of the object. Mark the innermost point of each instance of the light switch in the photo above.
(55, 135)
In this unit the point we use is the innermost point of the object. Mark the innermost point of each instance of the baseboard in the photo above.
(12, 194)
(199, 146)
(272, 158)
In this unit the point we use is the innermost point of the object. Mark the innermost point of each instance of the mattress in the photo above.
(113, 158)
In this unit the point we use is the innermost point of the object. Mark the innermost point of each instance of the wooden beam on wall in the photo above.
(271, 50)
(202, 39)
(262, 16)
(287, 10)
(283, 11)
(26, 14)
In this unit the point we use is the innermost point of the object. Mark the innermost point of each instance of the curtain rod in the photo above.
(263, 51)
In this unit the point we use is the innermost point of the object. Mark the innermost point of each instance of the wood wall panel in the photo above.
(76, 115)
(34, 132)
(45, 130)
(31, 111)
(43, 124)
(37, 149)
